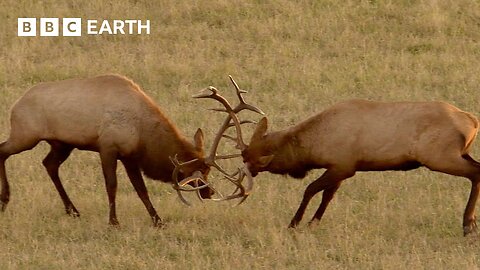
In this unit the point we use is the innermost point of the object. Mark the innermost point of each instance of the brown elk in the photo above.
(110, 115)
(361, 135)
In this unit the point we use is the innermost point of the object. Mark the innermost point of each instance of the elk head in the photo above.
(259, 153)
(191, 175)
(230, 121)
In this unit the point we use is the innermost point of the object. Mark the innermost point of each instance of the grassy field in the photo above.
(296, 58)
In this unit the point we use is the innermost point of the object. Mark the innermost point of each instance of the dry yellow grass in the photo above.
(296, 57)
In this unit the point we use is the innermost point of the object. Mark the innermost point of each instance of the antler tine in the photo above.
(181, 186)
(196, 177)
(233, 125)
(246, 191)
(243, 105)
(219, 168)
(239, 91)
(237, 183)
(204, 94)
(218, 110)
(213, 94)
(229, 137)
(241, 123)
(228, 156)
(243, 192)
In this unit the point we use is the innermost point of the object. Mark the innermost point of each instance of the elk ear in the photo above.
(261, 130)
(265, 160)
(198, 139)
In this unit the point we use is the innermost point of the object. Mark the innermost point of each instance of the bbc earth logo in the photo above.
(72, 27)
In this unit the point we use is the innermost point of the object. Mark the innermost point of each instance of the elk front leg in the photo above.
(109, 167)
(327, 196)
(330, 179)
(136, 179)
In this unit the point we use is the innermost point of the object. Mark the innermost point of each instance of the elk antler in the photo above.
(212, 92)
(231, 121)
(196, 178)
(243, 192)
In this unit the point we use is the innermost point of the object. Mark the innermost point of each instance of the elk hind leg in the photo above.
(469, 218)
(59, 152)
(465, 166)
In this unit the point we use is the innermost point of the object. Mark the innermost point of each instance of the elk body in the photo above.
(110, 115)
(363, 135)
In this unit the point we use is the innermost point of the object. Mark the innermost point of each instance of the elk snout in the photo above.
(251, 169)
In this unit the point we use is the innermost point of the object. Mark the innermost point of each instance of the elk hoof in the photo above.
(293, 225)
(72, 211)
(114, 223)
(313, 223)
(4, 199)
(468, 229)
(3, 206)
(158, 223)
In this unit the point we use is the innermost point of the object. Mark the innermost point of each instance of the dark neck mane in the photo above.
(291, 156)
(161, 141)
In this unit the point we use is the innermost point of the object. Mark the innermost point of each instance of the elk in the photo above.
(360, 135)
(110, 115)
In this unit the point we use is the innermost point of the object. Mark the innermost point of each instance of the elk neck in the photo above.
(161, 142)
(291, 156)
